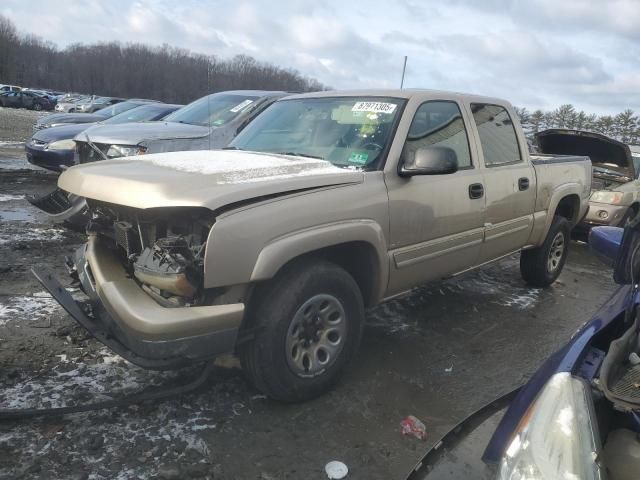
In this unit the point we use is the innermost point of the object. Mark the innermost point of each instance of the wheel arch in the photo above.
(358, 247)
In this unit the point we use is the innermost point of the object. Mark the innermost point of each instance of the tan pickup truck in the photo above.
(326, 204)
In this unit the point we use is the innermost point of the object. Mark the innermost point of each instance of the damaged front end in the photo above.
(163, 250)
(143, 272)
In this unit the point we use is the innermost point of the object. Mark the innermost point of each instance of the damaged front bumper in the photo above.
(132, 324)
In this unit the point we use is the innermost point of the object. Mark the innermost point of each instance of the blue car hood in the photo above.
(61, 133)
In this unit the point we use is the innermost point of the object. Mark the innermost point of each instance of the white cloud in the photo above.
(536, 53)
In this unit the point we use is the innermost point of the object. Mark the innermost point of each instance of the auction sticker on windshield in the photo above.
(375, 107)
(241, 105)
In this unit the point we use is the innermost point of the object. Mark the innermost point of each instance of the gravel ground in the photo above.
(438, 353)
(16, 124)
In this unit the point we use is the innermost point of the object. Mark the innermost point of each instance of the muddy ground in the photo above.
(438, 353)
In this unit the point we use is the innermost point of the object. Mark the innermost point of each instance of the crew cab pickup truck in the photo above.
(324, 205)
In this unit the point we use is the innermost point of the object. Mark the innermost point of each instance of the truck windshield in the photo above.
(213, 110)
(346, 131)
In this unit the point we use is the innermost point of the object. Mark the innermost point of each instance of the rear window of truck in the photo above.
(497, 134)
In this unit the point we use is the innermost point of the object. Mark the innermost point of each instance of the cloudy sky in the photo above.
(536, 53)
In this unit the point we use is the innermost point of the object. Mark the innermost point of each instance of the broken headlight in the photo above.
(125, 151)
(602, 196)
(557, 437)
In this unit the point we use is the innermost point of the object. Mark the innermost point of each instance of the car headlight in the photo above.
(125, 151)
(557, 437)
(67, 144)
(602, 196)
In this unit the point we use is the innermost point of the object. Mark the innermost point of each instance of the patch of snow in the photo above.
(159, 432)
(239, 167)
(9, 143)
(8, 198)
(33, 234)
(27, 308)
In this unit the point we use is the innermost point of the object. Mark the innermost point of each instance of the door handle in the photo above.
(523, 183)
(476, 190)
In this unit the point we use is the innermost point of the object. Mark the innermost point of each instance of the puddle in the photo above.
(18, 215)
(17, 164)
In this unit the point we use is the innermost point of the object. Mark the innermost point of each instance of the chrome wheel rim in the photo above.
(556, 252)
(316, 336)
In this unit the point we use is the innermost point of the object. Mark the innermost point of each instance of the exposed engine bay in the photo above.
(617, 405)
(163, 249)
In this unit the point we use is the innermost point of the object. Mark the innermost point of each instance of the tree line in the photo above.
(135, 70)
(625, 126)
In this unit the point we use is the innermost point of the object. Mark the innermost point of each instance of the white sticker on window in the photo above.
(374, 107)
(241, 105)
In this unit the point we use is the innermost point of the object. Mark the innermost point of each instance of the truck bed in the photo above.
(544, 158)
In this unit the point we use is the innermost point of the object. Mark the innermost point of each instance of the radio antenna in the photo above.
(404, 69)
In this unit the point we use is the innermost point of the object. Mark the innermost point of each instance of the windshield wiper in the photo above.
(298, 154)
(231, 148)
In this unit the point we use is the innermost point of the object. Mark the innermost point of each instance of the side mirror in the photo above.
(434, 160)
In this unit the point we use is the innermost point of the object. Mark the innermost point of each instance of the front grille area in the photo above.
(54, 203)
(126, 236)
(87, 154)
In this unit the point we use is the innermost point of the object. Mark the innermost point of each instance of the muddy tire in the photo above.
(307, 324)
(541, 266)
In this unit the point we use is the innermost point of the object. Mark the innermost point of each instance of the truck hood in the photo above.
(605, 152)
(210, 179)
(70, 118)
(134, 133)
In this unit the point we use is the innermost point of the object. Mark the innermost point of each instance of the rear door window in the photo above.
(438, 123)
(497, 134)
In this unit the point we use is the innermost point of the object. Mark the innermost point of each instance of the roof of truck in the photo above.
(399, 93)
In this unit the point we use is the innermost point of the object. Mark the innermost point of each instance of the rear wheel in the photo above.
(308, 323)
(37, 107)
(541, 266)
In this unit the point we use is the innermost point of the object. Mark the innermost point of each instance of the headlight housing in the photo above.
(67, 144)
(602, 196)
(125, 151)
(557, 437)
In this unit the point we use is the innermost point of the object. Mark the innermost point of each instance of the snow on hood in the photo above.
(239, 167)
(204, 178)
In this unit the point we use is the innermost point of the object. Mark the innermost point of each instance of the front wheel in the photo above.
(541, 266)
(308, 323)
(37, 107)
